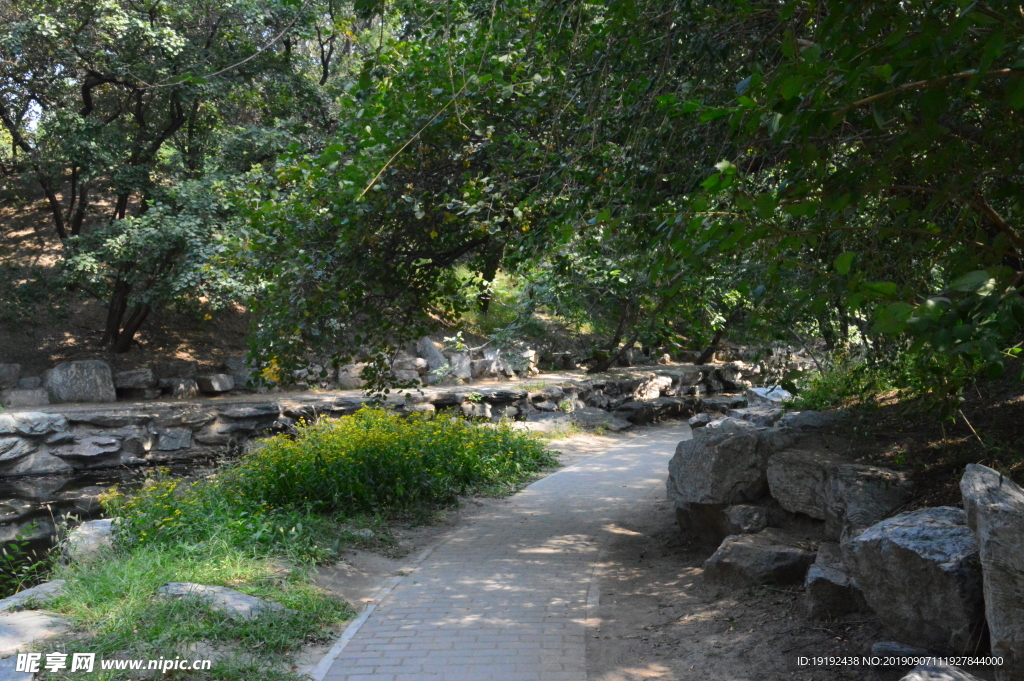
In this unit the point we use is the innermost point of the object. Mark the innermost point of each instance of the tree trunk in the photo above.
(709, 351)
(125, 337)
(115, 312)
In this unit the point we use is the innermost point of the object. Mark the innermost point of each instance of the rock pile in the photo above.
(941, 580)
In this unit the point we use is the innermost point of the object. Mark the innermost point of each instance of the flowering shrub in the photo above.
(375, 461)
(286, 496)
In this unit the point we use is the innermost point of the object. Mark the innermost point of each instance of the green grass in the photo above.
(114, 601)
(261, 525)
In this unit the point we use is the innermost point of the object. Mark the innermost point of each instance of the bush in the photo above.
(375, 461)
(287, 496)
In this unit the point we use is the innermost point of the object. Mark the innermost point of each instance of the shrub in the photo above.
(375, 461)
(286, 497)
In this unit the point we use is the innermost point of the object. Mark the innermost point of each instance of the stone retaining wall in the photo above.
(63, 439)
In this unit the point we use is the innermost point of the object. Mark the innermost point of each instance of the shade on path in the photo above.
(505, 597)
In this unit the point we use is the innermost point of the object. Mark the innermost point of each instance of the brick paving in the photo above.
(504, 598)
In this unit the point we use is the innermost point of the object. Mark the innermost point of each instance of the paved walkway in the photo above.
(505, 598)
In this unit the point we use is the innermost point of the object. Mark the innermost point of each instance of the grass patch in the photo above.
(260, 525)
(114, 600)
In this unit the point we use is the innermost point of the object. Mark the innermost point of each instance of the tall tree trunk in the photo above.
(709, 351)
(115, 312)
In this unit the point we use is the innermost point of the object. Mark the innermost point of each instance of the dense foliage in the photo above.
(658, 173)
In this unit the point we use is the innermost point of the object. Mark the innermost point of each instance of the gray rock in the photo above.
(180, 388)
(829, 591)
(476, 410)
(848, 496)
(700, 420)
(712, 523)
(591, 418)
(350, 376)
(773, 396)
(215, 383)
(759, 416)
(14, 448)
(426, 349)
(9, 374)
(995, 512)
(484, 368)
(136, 378)
(85, 381)
(176, 368)
(37, 463)
(9, 670)
(14, 399)
(37, 595)
(173, 439)
(461, 365)
(89, 540)
(32, 423)
(504, 396)
(546, 406)
(30, 383)
(421, 408)
(720, 403)
(724, 465)
(752, 559)
(406, 377)
(110, 419)
(652, 387)
(807, 419)
(89, 447)
(927, 672)
(18, 630)
(222, 599)
(261, 412)
(239, 370)
(919, 571)
(732, 376)
(745, 519)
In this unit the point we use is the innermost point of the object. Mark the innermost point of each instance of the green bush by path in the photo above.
(287, 497)
(375, 461)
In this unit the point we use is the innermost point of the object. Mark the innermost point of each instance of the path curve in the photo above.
(505, 597)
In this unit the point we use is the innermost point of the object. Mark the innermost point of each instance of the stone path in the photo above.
(505, 598)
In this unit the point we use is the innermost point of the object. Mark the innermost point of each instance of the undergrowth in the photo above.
(261, 525)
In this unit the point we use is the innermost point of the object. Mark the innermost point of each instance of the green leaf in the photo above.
(972, 281)
(843, 263)
(892, 319)
(886, 289)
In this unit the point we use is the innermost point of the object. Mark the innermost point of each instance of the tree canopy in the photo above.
(660, 171)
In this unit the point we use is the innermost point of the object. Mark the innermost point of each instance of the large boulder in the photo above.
(848, 496)
(426, 349)
(237, 367)
(829, 591)
(807, 419)
(461, 365)
(995, 512)
(724, 463)
(751, 559)
(9, 375)
(653, 387)
(919, 571)
(592, 418)
(759, 416)
(85, 381)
